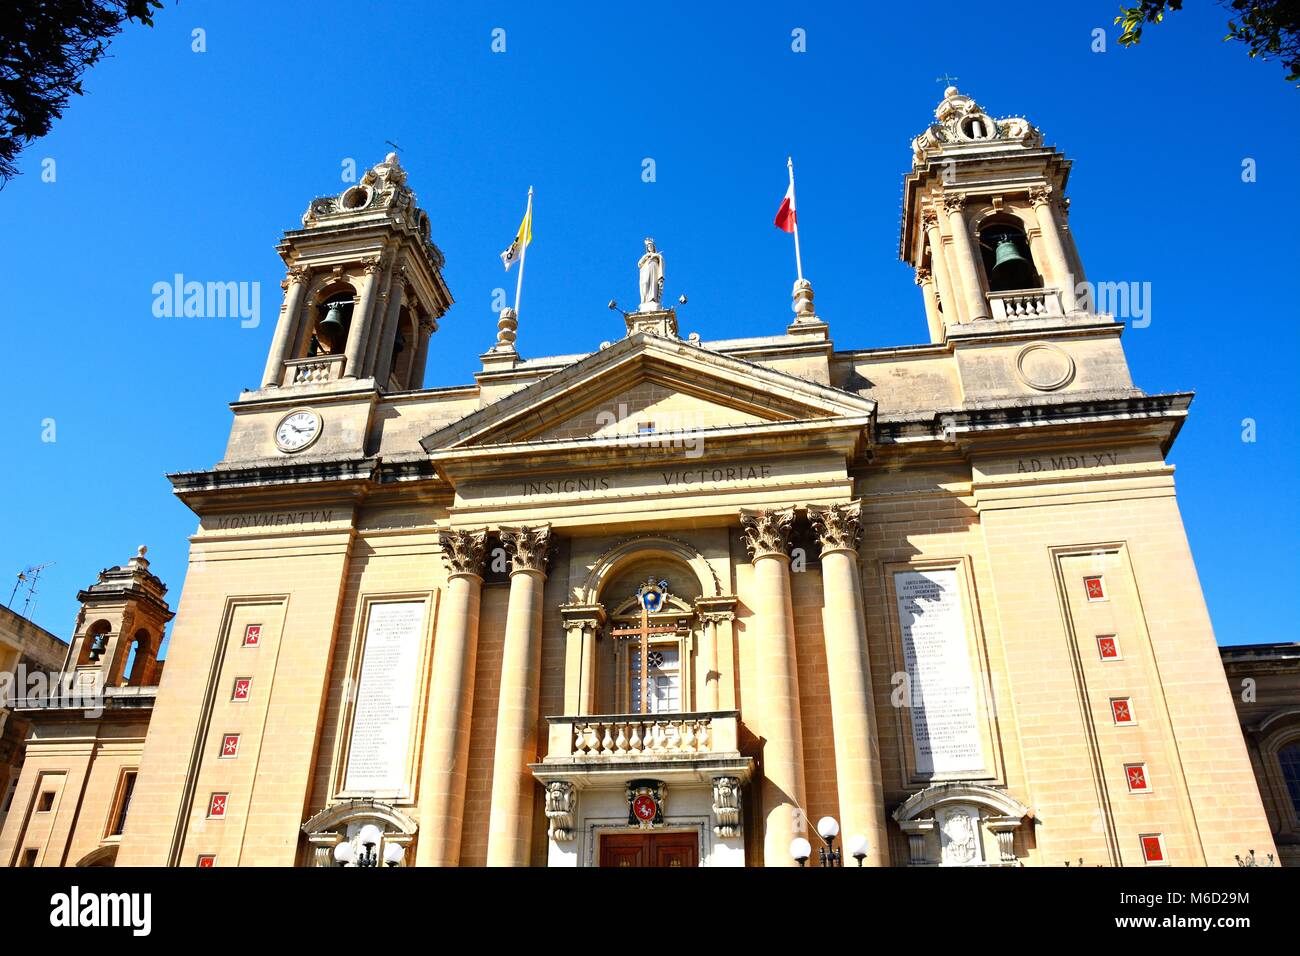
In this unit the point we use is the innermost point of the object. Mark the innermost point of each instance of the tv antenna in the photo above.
(28, 577)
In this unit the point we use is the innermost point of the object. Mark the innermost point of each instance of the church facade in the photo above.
(674, 601)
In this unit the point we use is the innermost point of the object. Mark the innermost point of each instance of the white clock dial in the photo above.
(297, 430)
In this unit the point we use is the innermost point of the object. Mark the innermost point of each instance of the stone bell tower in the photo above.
(985, 225)
(364, 289)
(120, 626)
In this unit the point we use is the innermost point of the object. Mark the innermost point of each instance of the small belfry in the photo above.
(985, 223)
(120, 627)
(364, 289)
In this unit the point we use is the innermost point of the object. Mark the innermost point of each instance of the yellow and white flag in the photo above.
(522, 238)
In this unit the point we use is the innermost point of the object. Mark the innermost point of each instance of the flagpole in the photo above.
(523, 253)
(798, 261)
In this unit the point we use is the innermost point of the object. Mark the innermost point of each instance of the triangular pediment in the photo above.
(647, 379)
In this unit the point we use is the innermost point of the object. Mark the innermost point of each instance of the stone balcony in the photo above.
(611, 748)
(1025, 304)
(312, 371)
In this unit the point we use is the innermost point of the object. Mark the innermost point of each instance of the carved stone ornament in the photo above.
(381, 191)
(645, 803)
(561, 807)
(837, 526)
(529, 547)
(726, 806)
(766, 532)
(954, 202)
(961, 121)
(923, 275)
(463, 551)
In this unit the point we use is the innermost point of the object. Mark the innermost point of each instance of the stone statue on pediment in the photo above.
(652, 278)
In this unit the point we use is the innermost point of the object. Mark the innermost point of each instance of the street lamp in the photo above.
(345, 854)
(800, 849)
(828, 828)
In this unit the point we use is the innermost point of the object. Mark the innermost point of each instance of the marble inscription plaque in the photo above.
(944, 712)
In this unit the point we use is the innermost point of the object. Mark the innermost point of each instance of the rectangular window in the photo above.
(217, 805)
(1136, 775)
(230, 746)
(645, 428)
(29, 857)
(1153, 849)
(207, 860)
(1094, 586)
(122, 803)
(253, 635)
(45, 802)
(1108, 647)
(1121, 709)
(243, 687)
(665, 683)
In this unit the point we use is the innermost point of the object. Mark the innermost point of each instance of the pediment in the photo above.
(645, 378)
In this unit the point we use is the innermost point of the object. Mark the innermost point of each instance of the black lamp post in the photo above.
(828, 828)
(345, 854)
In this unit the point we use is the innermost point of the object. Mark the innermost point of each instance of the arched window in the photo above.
(1008, 263)
(137, 660)
(650, 632)
(333, 318)
(1289, 760)
(404, 348)
(94, 643)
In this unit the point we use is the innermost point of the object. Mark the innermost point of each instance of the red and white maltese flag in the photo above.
(785, 217)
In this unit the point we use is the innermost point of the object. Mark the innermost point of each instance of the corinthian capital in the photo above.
(1040, 195)
(529, 547)
(463, 551)
(766, 532)
(954, 202)
(837, 526)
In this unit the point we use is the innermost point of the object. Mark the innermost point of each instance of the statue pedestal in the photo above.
(662, 322)
(809, 328)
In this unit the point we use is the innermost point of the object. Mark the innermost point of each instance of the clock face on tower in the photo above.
(297, 430)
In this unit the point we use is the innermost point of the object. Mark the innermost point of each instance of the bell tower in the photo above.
(985, 225)
(364, 289)
(120, 627)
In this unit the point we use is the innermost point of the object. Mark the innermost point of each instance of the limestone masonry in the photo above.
(671, 602)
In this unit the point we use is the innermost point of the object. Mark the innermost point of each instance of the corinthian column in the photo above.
(932, 320)
(451, 699)
(1057, 262)
(967, 261)
(853, 714)
(427, 327)
(939, 266)
(767, 535)
(354, 350)
(295, 284)
(398, 296)
(510, 827)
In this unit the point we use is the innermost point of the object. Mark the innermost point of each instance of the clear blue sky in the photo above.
(177, 161)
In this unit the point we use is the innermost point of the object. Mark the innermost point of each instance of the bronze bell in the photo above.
(332, 330)
(1010, 269)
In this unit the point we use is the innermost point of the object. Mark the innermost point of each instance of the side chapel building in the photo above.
(672, 601)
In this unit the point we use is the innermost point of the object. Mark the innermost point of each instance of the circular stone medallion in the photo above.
(1044, 367)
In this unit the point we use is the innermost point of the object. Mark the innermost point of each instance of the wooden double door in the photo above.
(649, 849)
